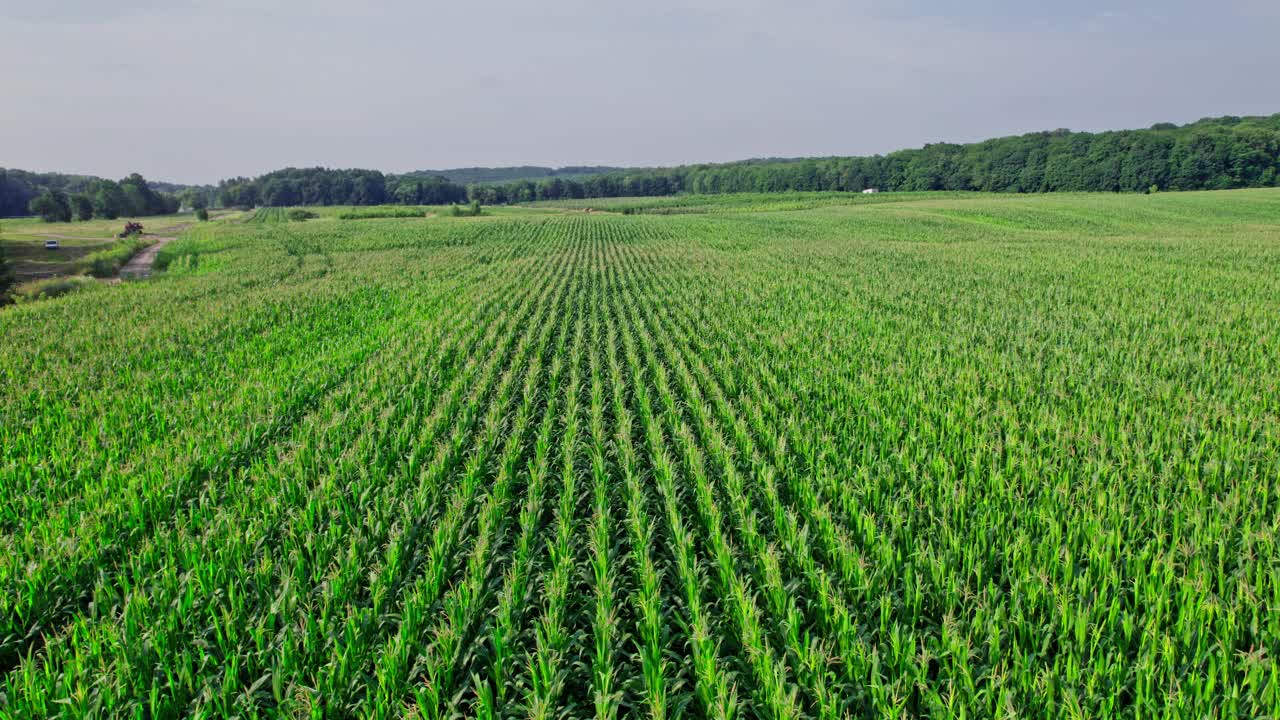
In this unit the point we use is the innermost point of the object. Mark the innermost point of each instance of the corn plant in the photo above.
(928, 456)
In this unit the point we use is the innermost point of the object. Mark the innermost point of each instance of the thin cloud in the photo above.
(217, 89)
(75, 12)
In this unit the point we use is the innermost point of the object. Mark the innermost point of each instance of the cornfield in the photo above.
(942, 457)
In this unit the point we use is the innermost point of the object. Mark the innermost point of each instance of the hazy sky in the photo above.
(198, 90)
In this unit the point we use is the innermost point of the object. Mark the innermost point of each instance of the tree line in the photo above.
(323, 186)
(1216, 153)
(19, 187)
(131, 197)
(501, 175)
(62, 198)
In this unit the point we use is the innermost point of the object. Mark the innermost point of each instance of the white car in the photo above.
(50, 244)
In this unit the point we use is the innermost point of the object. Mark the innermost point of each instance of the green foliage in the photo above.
(202, 214)
(109, 201)
(311, 186)
(82, 206)
(132, 196)
(19, 187)
(107, 263)
(195, 198)
(274, 215)
(741, 202)
(53, 206)
(139, 199)
(48, 289)
(268, 216)
(482, 176)
(381, 213)
(783, 457)
(425, 190)
(1211, 154)
(324, 187)
(472, 209)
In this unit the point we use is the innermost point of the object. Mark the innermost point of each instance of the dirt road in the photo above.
(141, 264)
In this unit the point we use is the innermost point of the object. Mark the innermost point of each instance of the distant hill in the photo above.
(176, 188)
(484, 175)
(1211, 154)
(1214, 153)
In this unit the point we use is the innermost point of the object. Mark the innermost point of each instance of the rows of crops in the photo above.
(738, 202)
(267, 215)
(951, 458)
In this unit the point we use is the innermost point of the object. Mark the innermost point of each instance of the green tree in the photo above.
(139, 199)
(108, 199)
(82, 206)
(1199, 161)
(193, 198)
(52, 206)
(1147, 163)
(408, 193)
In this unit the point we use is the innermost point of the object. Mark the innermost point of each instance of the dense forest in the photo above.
(19, 187)
(1218, 153)
(60, 197)
(131, 197)
(321, 186)
(324, 186)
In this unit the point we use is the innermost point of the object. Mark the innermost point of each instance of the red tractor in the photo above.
(133, 228)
